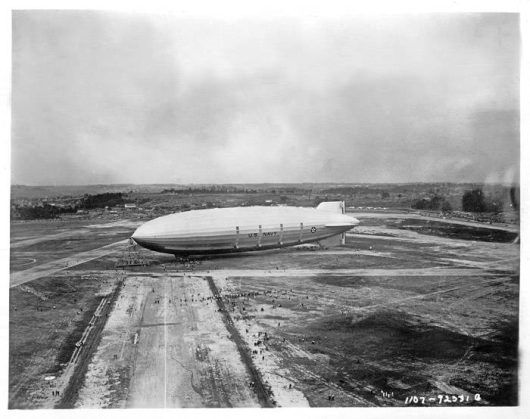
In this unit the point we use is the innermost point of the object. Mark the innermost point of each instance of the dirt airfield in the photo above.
(396, 317)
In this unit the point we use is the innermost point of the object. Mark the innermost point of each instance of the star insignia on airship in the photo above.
(313, 229)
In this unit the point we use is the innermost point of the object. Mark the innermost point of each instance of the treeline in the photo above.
(219, 189)
(358, 190)
(102, 200)
(45, 211)
(475, 200)
(436, 203)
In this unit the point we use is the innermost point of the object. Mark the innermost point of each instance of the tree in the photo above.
(473, 201)
(434, 203)
(437, 202)
(385, 195)
(446, 207)
(421, 204)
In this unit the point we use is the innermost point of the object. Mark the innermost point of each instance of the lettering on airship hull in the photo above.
(268, 233)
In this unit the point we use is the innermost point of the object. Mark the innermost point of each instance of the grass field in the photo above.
(394, 313)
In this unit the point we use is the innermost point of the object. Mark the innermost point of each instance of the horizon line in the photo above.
(267, 183)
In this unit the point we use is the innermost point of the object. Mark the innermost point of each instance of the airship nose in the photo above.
(144, 233)
(138, 234)
(138, 239)
(148, 236)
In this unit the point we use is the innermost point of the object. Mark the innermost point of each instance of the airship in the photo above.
(244, 229)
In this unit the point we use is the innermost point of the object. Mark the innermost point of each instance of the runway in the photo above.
(177, 350)
(56, 266)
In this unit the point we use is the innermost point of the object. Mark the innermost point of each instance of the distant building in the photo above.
(130, 206)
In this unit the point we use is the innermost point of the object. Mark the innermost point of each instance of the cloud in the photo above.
(103, 97)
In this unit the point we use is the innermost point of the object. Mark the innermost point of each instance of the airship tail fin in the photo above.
(332, 206)
(337, 207)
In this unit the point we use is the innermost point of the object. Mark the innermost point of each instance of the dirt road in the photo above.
(167, 346)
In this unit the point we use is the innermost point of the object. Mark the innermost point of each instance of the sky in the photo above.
(103, 97)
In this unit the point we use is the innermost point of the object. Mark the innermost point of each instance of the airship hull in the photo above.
(227, 230)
